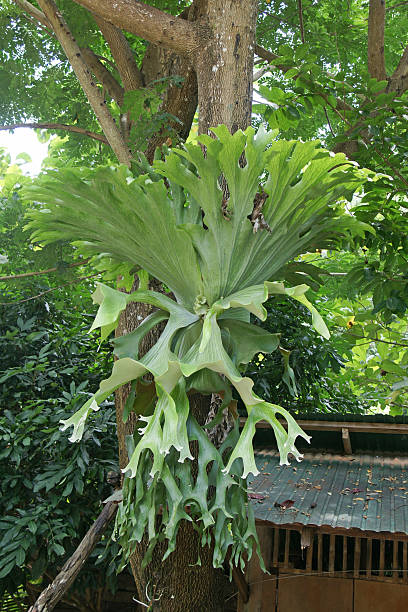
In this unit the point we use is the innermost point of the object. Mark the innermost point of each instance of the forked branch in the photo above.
(82, 71)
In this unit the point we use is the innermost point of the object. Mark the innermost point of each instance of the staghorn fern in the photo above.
(220, 269)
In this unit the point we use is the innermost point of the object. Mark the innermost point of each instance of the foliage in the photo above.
(44, 477)
(47, 366)
(220, 267)
(148, 119)
(371, 340)
(307, 373)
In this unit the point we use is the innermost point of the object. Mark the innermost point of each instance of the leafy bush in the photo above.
(306, 375)
(50, 489)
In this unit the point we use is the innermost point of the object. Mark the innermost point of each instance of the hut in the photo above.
(333, 528)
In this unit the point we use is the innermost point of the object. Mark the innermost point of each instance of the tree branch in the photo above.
(27, 274)
(56, 126)
(302, 31)
(272, 57)
(399, 79)
(122, 53)
(395, 6)
(328, 121)
(103, 75)
(376, 25)
(34, 12)
(34, 297)
(95, 98)
(149, 23)
(56, 590)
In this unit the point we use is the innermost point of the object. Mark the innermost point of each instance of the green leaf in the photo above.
(298, 293)
(288, 374)
(128, 345)
(20, 557)
(112, 303)
(376, 86)
(248, 340)
(392, 367)
(120, 213)
(25, 157)
(6, 569)
(285, 440)
(79, 419)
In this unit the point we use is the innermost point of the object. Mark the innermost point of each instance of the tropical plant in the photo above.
(220, 265)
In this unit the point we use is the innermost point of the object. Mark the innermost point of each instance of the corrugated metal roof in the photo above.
(350, 492)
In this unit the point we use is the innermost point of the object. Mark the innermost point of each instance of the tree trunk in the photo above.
(225, 65)
(224, 74)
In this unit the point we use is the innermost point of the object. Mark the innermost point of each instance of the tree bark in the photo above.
(225, 63)
(179, 101)
(376, 25)
(102, 74)
(122, 54)
(399, 79)
(149, 23)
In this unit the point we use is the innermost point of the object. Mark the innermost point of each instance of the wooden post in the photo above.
(287, 545)
(395, 572)
(382, 558)
(309, 556)
(332, 551)
(346, 441)
(275, 558)
(49, 598)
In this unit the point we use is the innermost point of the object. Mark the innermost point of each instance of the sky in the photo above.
(24, 140)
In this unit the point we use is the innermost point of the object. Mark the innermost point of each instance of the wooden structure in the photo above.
(326, 545)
